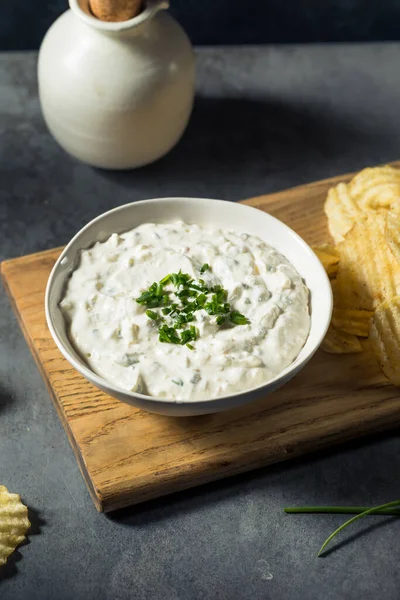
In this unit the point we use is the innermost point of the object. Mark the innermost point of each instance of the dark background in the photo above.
(24, 22)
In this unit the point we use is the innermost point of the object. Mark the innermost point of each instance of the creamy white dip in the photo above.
(121, 344)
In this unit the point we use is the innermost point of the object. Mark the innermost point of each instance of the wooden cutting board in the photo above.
(128, 456)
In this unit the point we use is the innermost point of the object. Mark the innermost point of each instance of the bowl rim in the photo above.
(102, 383)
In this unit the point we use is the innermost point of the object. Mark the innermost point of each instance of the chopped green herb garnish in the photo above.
(189, 307)
(186, 292)
(182, 319)
(192, 296)
(154, 297)
(152, 315)
(199, 288)
(212, 307)
(189, 335)
(215, 307)
(168, 335)
(238, 319)
(201, 300)
(180, 278)
(185, 336)
(144, 298)
(221, 294)
(204, 268)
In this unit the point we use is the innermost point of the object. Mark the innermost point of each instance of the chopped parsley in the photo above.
(193, 296)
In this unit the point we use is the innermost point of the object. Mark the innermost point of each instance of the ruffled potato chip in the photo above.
(368, 272)
(340, 342)
(332, 270)
(342, 211)
(329, 258)
(328, 249)
(364, 217)
(14, 523)
(353, 321)
(385, 338)
(376, 188)
(392, 232)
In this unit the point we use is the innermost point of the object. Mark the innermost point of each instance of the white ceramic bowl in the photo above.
(229, 216)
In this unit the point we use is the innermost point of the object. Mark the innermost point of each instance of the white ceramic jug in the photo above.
(116, 95)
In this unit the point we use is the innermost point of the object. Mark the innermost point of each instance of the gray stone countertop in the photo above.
(265, 119)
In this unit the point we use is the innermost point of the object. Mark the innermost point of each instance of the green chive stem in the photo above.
(340, 510)
(369, 511)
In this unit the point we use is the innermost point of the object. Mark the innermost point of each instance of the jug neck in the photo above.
(81, 8)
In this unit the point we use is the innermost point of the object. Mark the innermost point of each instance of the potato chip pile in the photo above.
(14, 523)
(364, 266)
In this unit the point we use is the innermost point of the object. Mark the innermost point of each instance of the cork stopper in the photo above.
(115, 10)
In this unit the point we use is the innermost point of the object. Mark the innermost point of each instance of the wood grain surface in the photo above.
(128, 456)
